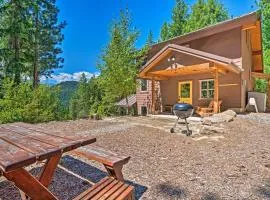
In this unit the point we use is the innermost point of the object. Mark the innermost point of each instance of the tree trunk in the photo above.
(17, 77)
(36, 54)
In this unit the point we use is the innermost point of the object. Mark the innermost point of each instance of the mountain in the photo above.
(68, 89)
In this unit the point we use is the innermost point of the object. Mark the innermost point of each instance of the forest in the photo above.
(31, 38)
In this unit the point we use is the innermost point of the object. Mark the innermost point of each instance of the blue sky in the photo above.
(89, 20)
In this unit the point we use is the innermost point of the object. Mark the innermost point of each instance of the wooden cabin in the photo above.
(215, 63)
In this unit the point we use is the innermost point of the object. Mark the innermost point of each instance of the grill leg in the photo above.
(172, 129)
(189, 132)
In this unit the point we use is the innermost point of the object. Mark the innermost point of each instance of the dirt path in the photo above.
(170, 166)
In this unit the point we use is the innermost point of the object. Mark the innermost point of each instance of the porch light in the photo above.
(171, 59)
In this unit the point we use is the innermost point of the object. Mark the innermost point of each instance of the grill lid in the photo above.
(182, 107)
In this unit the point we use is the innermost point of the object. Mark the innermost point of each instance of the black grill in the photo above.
(183, 111)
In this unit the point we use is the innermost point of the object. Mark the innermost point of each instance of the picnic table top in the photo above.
(23, 144)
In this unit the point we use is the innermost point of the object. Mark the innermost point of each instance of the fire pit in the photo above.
(182, 111)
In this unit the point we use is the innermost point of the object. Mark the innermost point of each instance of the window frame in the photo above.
(208, 89)
(145, 86)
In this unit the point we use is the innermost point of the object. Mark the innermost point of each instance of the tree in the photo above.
(46, 37)
(79, 106)
(120, 62)
(179, 18)
(165, 32)
(150, 39)
(205, 13)
(14, 27)
(265, 12)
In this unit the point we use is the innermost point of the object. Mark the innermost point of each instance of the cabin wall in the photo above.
(229, 90)
(227, 44)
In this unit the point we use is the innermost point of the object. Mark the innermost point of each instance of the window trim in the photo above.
(200, 89)
(146, 85)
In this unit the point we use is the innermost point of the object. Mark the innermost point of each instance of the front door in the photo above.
(185, 92)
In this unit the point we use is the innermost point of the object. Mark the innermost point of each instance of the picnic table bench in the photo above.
(112, 162)
(22, 145)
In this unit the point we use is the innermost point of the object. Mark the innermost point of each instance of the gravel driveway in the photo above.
(169, 166)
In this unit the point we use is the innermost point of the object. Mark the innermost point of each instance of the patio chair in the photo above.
(208, 111)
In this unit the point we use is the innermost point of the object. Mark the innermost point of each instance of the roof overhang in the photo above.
(223, 63)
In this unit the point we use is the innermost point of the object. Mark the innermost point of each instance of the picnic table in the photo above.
(22, 145)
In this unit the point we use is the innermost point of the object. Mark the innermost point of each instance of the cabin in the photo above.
(219, 62)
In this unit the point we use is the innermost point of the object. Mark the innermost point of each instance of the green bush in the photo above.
(23, 103)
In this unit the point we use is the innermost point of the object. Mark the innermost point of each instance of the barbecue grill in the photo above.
(183, 111)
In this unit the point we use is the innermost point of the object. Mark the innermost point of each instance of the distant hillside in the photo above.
(68, 89)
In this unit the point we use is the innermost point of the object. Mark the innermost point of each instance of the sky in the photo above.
(88, 23)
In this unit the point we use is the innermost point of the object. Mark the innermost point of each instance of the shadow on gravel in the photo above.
(94, 174)
(264, 190)
(171, 191)
(210, 196)
(65, 185)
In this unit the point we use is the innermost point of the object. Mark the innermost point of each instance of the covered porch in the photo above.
(176, 73)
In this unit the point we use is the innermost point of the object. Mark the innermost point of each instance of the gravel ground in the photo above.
(170, 166)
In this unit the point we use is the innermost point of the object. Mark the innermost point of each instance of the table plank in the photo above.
(21, 146)
(70, 136)
(61, 143)
(40, 149)
(12, 157)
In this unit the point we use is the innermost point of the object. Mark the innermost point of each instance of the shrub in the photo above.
(23, 103)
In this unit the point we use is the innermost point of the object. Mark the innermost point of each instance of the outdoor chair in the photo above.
(208, 111)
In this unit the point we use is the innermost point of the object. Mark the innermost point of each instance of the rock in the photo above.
(208, 130)
(226, 116)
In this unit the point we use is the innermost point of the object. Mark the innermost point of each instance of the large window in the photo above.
(143, 85)
(207, 89)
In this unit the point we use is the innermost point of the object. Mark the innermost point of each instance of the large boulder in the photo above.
(226, 116)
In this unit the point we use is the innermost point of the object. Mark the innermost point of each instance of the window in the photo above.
(143, 85)
(207, 89)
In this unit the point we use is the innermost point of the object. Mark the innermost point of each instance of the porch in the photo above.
(182, 74)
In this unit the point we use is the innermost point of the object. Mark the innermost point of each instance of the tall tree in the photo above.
(46, 37)
(120, 61)
(14, 28)
(165, 32)
(179, 18)
(150, 39)
(265, 12)
(205, 13)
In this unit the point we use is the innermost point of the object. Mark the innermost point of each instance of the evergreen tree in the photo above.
(165, 32)
(120, 62)
(179, 18)
(205, 13)
(265, 12)
(79, 106)
(46, 37)
(14, 28)
(150, 39)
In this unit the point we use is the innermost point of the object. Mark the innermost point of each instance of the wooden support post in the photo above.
(268, 94)
(216, 93)
(153, 96)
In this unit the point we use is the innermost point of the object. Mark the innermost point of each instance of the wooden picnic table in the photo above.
(22, 145)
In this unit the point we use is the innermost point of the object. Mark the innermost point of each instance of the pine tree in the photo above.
(265, 12)
(150, 39)
(205, 13)
(165, 32)
(179, 18)
(14, 29)
(46, 37)
(120, 62)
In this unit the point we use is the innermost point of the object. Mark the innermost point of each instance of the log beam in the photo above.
(153, 96)
(216, 93)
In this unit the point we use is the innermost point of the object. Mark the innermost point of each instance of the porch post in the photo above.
(268, 94)
(153, 96)
(216, 93)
